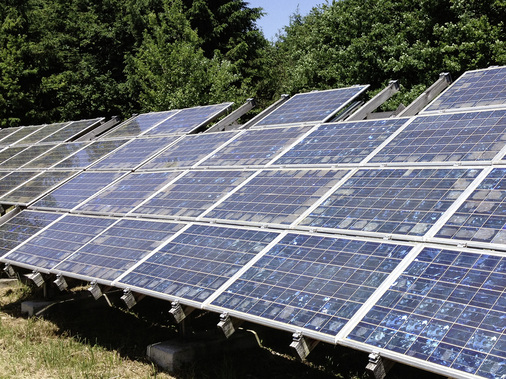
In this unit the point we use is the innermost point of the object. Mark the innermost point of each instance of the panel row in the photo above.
(438, 306)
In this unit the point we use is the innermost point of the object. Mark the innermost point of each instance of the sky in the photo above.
(278, 13)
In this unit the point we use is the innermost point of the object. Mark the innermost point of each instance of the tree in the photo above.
(371, 42)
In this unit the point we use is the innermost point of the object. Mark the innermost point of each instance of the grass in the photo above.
(84, 338)
(38, 348)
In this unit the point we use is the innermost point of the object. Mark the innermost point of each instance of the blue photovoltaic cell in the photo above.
(312, 106)
(7, 132)
(10, 152)
(43, 132)
(188, 151)
(474, 89)
(256, 147)
(76, 190)
(36, 187)
(90, 154)
(22, 227)
(56, 155)
(25, 156)
(193, 193)
(189, 119)
(349, 142)
(129, 156)
(278, 196)
(198, 261)
(58, 241)
(482, 217)
(71, 131)
(19, 135)
(472, 136)
(401, 201)
(13, 180)
(126, 194)
(447, 308)
(118, 248)
(312, 282)
(139, 124)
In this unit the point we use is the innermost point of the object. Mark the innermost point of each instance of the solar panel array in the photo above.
(383, 235)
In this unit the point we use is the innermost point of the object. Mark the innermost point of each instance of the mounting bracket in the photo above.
(378, 366)
(302, 345)
(61, 283)
(179, 313)
(129, 298)
(36, 278)
(95, 290)
(9, 270)
(228, 325)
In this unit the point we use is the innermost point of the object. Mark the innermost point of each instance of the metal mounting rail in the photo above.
(99, 129)
(364, 111)
(227, 123)
(427, 96)
(265, 112)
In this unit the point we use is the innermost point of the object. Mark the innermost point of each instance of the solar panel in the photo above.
(90, 154)
(277, 196)
(471, 136)
(400, 201)
(317, 106)
(340, 143)
(481, 217)
(256, 147)
(312, 282)
(76, 190)
(193, 193)
(10, 152)
(188, 151)
(139, 125)
(19, 135)
(25, 156)
(55, 155)
(118, 249)
(198, 261)
(481, 88)
(15, 179)
(447, 308)
(36, 187)
(43, 132)
(188, 120)
(5, 132)
(58, 241)
(22, 227)
(129, 192)
(132, 154)
(72, 131)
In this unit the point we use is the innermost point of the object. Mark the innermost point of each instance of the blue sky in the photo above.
(278, 13)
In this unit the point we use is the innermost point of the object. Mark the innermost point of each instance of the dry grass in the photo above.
(38, 348)
(84, 338)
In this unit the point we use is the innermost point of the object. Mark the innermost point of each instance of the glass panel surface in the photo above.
(313, 282)
(198, 261)
(402, 201)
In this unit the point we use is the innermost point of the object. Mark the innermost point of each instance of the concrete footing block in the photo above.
(32, 307)
(172, 355)
(8, 282)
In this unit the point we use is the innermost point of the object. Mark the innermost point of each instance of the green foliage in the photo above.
(72, 59)
(371, 42)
